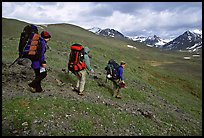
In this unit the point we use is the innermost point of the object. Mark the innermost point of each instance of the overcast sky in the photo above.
(164, 19)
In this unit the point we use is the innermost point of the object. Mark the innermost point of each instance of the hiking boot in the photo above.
(81, 93)
(40, 91)
(33, 90)
(119, 96)
(75, 89)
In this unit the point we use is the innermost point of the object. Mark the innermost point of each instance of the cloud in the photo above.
(130, 18)
(160, 22)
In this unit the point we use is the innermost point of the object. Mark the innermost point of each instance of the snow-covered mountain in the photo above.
(107, 32)
(111, 33)
(153, 41)
(189, 40)
(149, 41)
(197, 31)
(95, 30)
(140, 38)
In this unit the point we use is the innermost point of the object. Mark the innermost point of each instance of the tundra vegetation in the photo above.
(163, 94)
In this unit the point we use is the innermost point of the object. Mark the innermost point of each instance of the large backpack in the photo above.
(29, 43)
(76, 58)
(111, 69)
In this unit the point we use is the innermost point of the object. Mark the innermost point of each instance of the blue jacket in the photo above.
(37, 64)
(120, 73)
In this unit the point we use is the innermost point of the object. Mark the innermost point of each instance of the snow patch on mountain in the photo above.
(95, 30)
(137, 38)
(152, 41)
(197, 31)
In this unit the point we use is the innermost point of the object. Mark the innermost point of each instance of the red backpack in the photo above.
(76, 58)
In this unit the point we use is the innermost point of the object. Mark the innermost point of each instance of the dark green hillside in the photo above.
(163, 94)
(12, 27)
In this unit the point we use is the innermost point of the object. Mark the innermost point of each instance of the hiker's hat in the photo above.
(122, 62)
(45, 34)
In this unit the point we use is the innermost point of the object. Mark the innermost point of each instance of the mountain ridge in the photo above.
(156, 41)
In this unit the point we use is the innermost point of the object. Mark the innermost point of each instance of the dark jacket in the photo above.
(41, 60)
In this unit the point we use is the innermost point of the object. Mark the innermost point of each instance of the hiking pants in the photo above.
(117, 89)
(81, 80)
(36, 83)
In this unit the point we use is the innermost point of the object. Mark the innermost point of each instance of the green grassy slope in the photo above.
(160, 82)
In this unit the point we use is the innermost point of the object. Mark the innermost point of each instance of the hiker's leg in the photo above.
(34, 82)
(39, 79)
(119, 93)
(115, 88)
(82, 80)
(77, 85)
(78, 75)
(114, 85)
(115, 93)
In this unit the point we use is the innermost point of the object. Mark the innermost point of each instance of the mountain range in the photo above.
(188, 41)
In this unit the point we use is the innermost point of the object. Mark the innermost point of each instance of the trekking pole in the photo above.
(14, 61)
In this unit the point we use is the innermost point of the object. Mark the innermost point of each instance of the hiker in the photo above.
(81, 74)
(119, 82)
(39, 66)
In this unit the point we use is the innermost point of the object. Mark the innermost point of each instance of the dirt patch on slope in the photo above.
(157, 63)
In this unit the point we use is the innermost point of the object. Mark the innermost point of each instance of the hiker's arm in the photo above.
(42, 53)
(121, 74)
(87, 62)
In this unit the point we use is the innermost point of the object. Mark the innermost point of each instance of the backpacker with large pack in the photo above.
(111, 70)
(29, 43)
(76, 58)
